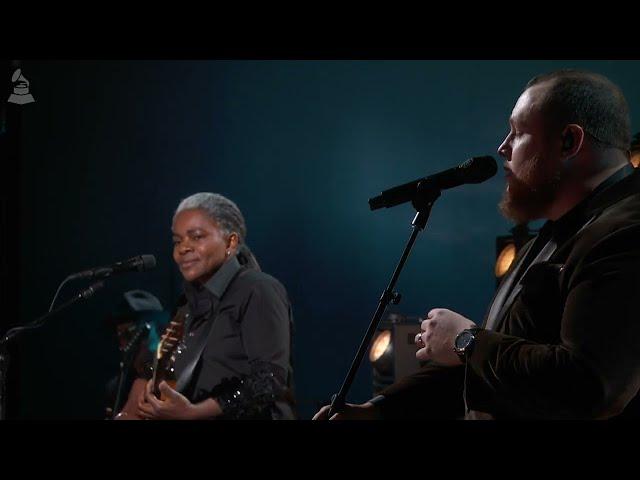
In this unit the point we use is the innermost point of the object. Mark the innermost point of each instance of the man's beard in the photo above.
(530, 198)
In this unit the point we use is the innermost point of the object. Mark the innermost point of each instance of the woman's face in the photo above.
(199, 246)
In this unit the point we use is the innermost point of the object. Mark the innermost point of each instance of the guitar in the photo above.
(169, 347)
(163, 369)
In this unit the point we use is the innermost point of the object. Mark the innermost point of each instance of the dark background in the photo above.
(110, 147)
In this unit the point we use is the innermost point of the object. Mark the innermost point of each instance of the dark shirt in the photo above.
(237, 344)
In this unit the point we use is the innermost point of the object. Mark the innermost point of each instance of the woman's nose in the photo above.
(184, 247)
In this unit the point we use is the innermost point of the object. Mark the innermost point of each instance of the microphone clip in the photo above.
(425, 197)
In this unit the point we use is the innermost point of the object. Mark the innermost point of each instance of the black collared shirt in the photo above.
(238, 339)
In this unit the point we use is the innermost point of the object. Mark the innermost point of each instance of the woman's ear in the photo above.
(232, 242)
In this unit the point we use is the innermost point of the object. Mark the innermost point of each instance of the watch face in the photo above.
(463, 340)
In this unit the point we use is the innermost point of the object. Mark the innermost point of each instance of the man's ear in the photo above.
(572, 140)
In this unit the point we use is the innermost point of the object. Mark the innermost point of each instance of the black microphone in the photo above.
(474, 170)
(140, 263)
(88, 292)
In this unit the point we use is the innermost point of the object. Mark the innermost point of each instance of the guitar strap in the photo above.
(194, 352)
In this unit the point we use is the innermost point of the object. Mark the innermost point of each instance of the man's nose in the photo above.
(503, 150)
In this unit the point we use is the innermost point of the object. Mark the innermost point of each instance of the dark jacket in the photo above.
(564, 344)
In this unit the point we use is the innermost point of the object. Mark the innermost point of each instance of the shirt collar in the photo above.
(199, 296)
(220, 280)
(577, 215)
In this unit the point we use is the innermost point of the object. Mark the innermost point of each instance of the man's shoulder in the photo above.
(619, 207)
(615, 230)
(620, 218)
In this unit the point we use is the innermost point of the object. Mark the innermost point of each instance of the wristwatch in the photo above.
(463, 344)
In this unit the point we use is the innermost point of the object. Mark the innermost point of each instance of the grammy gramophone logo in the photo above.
(20, 93)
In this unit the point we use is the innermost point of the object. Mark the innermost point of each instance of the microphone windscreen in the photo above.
(479, 169)
(148, 262)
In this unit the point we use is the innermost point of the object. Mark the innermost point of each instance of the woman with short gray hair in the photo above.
(229, 218)
(233, 357)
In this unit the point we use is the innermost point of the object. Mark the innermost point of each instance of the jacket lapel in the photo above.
(547, 251)
(503, 291)
(545, 254)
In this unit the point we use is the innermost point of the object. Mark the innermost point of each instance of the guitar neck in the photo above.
(163, 371)
(168, 348)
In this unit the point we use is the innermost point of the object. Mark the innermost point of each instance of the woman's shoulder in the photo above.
(256, 280)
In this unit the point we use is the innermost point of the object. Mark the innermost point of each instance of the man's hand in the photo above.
(439, 332)
(365, 411)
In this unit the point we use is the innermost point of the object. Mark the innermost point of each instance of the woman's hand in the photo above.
(365, 411)
(175, 406)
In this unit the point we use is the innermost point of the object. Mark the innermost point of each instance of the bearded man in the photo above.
(560, 338)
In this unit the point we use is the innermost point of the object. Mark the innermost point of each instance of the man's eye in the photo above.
(513, 135)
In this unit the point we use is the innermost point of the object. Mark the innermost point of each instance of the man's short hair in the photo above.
(590, 100)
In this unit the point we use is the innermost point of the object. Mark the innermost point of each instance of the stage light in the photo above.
(505, 258)
(380, 345)
(393, 350)
(381, 358)
(635, 150)
(508, 246)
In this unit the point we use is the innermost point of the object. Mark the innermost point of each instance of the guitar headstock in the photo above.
(171, 338)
